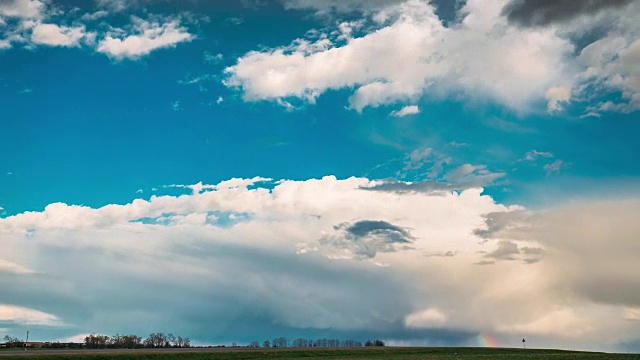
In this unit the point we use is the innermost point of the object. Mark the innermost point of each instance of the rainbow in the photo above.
(486, 340)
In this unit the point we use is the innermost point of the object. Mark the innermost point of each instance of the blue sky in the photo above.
(514, 123)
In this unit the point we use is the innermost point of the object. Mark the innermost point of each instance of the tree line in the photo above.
(283, 342)
(154, 340)
(161, 340)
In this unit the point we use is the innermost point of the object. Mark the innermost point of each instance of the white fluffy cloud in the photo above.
(412, 54)
(55, 35)
(427, 318)
(26, 316)
(37, 24)
(405, 111)
(328, 253)
(407, 53)
(557, 95)
(147, 37)
(612, 64)
(26, 9)
(608, 65)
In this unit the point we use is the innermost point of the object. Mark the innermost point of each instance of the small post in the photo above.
(524, 344)
(26, 343)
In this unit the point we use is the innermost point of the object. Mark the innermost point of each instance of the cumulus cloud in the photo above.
(407, 110)
(487, 54)
(612, 66)
(146, 37)
(557, 95)
(55, 35)
(307, 256)
(87, 248)
(434, 58)
(26, 9)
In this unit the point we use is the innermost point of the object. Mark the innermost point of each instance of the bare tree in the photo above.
(155, 340)
(13, 341)
(279, 342)
(171, 340)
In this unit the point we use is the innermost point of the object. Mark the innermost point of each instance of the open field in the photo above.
(430, 353)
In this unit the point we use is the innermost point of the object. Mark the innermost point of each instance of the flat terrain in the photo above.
(431, 353)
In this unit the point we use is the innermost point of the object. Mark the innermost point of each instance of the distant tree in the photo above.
(94, 341)
(280, 342)
(378, 343)
(321, 343)
(300, 342)
(254, 344)
(266, 344)
(13, 341)
(171, 340)
(155, 340)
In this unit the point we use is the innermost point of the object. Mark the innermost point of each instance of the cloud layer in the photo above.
(405, 53)
(307, 256)
(33, 23)
(147, 38)
(433, 58)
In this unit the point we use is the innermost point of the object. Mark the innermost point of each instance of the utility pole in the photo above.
(524, 344)
(26, 343)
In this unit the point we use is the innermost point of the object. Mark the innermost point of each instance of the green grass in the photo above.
(334, 354)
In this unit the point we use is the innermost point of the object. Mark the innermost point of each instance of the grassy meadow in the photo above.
(335, 354)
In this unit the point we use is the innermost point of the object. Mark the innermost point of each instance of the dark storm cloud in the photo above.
(366, 238)
(392, 233)
(545, 12)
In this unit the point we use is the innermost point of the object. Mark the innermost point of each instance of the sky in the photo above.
(456, 173)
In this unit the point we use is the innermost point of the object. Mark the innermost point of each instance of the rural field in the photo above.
(337, 354)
